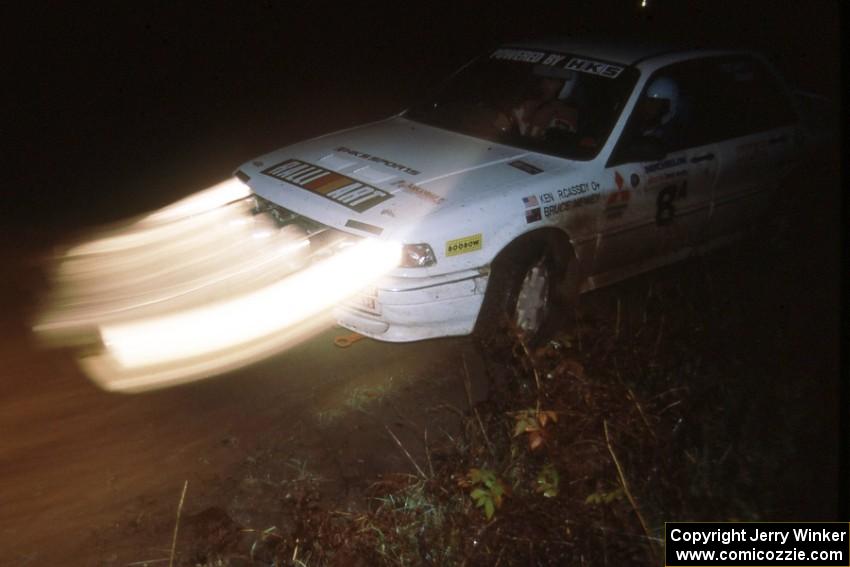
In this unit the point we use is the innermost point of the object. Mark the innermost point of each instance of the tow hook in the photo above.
(345, 341)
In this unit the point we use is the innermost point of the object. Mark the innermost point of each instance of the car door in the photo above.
(659, 198)
(756, 123)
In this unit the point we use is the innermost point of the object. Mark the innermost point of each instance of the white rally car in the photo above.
(541, 167)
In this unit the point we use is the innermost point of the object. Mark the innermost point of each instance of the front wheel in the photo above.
(520, 294)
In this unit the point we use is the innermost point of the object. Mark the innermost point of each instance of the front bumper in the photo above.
(398, 309)
(412, 309)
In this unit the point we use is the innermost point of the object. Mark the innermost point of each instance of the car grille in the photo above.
(324, 240)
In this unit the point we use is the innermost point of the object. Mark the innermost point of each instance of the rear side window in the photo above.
(718, 98)
(742, 97)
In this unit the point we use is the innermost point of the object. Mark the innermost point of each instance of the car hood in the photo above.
(390, 177)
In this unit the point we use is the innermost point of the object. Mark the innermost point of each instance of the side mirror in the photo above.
(643, 148)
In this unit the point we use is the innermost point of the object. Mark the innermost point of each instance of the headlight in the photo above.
(417, 256)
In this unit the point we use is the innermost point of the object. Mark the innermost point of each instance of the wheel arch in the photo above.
(560, 244)
(556, 238)
(508, 265)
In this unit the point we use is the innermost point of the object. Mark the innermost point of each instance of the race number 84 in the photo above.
(665, 210)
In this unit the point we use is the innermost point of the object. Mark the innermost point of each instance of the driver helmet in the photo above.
(665, 89)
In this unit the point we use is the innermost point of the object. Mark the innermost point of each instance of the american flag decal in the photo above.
(530, 201)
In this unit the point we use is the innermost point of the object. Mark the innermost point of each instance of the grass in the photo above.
(329, 417)
(302, 473)
(362, 398)
(676, 397)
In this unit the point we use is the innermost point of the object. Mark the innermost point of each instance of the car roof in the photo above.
(622, 51)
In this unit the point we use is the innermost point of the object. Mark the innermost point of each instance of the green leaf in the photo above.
(548, 481)
(489, 510)
(604, 497)
(613, 495)
(479, 494)
(520, 428)
(497, 489)
(488, 477)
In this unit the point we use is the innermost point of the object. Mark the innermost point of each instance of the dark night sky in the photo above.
(122, 108)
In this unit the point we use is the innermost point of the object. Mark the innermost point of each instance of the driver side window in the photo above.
(665, 118)
(711, 100)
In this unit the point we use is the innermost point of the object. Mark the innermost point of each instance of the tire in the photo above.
(520, 294)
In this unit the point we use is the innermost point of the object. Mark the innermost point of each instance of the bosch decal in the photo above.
(464, 245)
(340, 189)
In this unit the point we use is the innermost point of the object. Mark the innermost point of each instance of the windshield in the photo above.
(548, 102)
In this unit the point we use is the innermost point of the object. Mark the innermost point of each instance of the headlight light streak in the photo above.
(204, 201)
(198, 288)
(216, 256)
(243, 319)
(163, 225)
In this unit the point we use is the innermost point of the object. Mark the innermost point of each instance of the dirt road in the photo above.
(81, 466)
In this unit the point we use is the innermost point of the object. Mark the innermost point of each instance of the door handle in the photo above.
(704, 157)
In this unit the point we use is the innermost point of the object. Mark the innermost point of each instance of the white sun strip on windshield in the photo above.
(582, 65)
